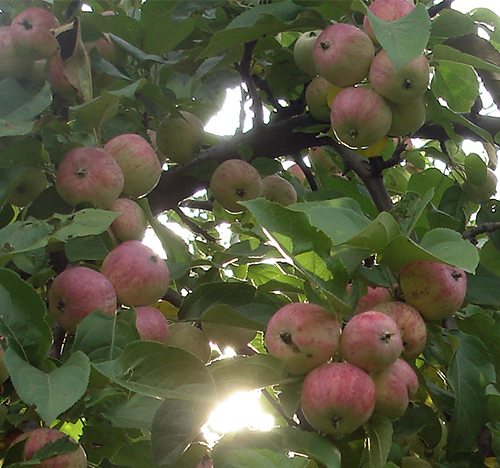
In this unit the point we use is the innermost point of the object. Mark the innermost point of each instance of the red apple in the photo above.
(337, 398)
(78, 291)
(36, 439)
(152, 324)
(278, 190)
(436, 290)
(303, 336)
(233, 181)
(360, 116)
(59, 84)
(89, 174)
(131, 224)
(302, 52)
(371, 340)
(342, 54)
(140, 277)
(297, 172)
(191, 338)
(108, 50)
(374, 295)
(138, 161)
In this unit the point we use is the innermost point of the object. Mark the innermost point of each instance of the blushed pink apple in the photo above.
(411, 324)
(278, 190)
(337, 398)
(12, 64)
(233, 181)
(297, 172)
(152, 324)
(303, 336)
(436, 290)
(138, 161)
(394, 388)
(374, 295)
(342, 54)
(78, 291)
(108, 50)
(228, 335)
(56, 77)
(131, 223)
(371, 340)
(191, 338)
(138, 274)
(89, 174)
(360, 116)
(302, 52)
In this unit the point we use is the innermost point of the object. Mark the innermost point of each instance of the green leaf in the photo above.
(87, 222)
(251, 458)
(51, 393)
(136, 454)
(136, 412)
(444, 52)
(452, 23)
(379, 434)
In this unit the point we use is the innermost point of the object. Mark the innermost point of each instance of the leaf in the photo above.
(51, 393)
(452, 23)
(379, 435)
(444, 52)
(136, 412)
(251, 458)
(87, 222)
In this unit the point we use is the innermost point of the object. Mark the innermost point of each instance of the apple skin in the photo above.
(387, 10)
(152, 324)
(140, 277)
(436, 290)
(317, 98)
(411, 324)
(33, 35)
(371, 340)
(297, 172)
(190, 338)
(360, 116)
(374, 295)
(407, 118)
(278, 190)
(38, 438)
(89, 174)
(228, 335)
(303, 52)
(479, 193)
(180, 138)
(31, 185)
(59, 84)
(131, 224)
(342, 54)
(337, 398)
(233, 181)
(12, 64)
(400, 86)
(303, 336)
(108, 50)
(78, 291)
(394, 388)
(138, 161)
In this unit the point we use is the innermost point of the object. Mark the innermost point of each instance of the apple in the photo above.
(131, 223)
(59, 84)
(414, 462)
(138, 161)
(479, 193)
(303, 336)
(152, 324)
(107, 50)
(89, 174)
(411, 324)
(374, 295)
(78, 291)
(12, 64)
(337, 398)
(36, 439)
(297, 172)
(33, 183)
(228, 335)
(435, 289)
(402, 86)
(180, 138)
(408, 117)
(33, 33)
(319, 157)
(371, 340)
(394, 388)
(278, 190)
(233, 181)
(191, 338)
(303, 51)
(360, 116)
(342, 54)
(140, 277)
(317, 98)
(387, 10)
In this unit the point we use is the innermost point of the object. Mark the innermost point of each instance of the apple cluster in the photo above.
(362, 367)
(356, 87)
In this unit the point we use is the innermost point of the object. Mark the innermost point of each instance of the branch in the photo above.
(472, 233)
(436, 9)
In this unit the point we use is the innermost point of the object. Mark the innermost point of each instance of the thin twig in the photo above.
(193, 226)
(279, 409)
(471, 234)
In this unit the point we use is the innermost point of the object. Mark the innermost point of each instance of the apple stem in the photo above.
(287, 339)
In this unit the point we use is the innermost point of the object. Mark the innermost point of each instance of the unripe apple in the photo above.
(303, 52)
(303, 336)
(227, 335)
(33, 35)
(394, 388)
(152, 324)
(387, 10)
(31, 185)
(36, 439)
(233, 181)
(138, 274)
(131, 223)
(337, 398)
(319, 157)
(89, 174)
(190, 338)
(180, 138)
(277, 189)
(317, 98)
(436, 290)
(479, 193)
(138, 161)
(12, 64)
(371, 340)
(78, 291)
(411, 324)
(360, 116)
(403, 85)
(343, 54)
(408, 117)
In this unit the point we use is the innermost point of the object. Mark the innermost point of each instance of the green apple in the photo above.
(12, 63)
(407, 117)
(279, 190)
(191, 338)
(317, 98)
(302, 52)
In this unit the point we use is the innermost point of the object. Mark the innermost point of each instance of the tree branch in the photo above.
(472, 233)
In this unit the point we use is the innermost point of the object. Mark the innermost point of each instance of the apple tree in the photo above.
(338, 180)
